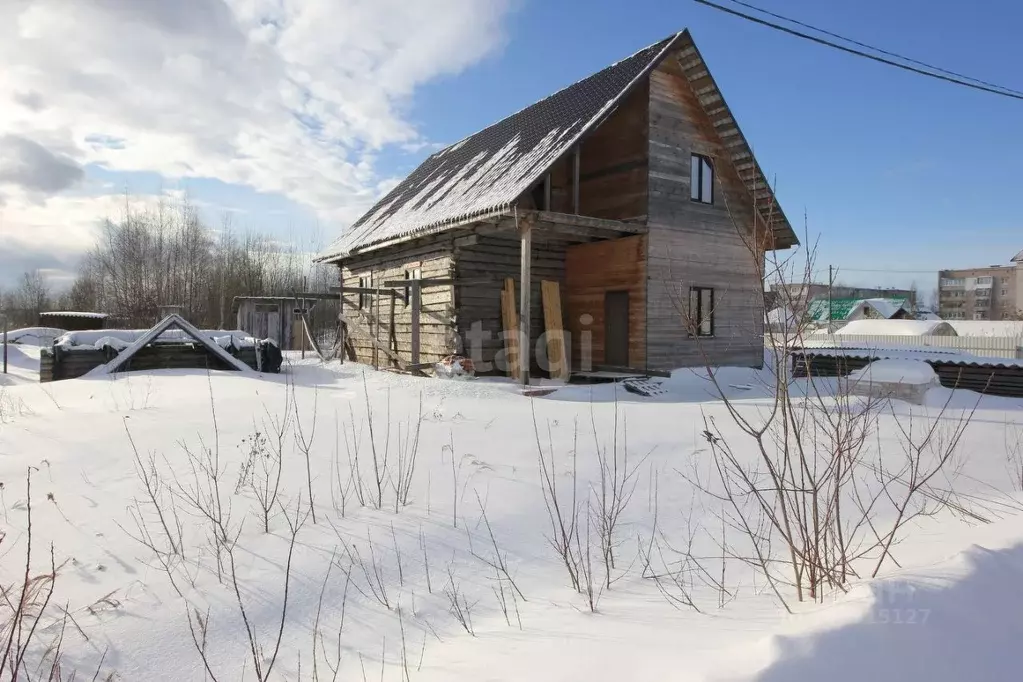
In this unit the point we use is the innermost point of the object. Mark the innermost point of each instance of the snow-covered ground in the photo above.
(380, 587)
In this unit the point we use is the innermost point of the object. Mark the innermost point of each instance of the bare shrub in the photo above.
(24, 603)
(562, 512)
(393, 453)
(614, 490)
(804, 480)
(458, 604)
(305, 440)
(408, 451)
(371, 569)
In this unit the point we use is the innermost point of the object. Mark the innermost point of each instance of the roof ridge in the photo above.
(595, 74)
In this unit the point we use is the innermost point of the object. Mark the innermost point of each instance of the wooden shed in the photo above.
(272, 317)
(634, 190)
(72, 321)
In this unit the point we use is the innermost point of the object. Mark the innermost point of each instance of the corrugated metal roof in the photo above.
(909, 353)
(842, 308)
(486, 172)
(94, 316)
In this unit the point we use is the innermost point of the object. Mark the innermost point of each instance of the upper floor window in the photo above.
(701, 185)
(949, 282)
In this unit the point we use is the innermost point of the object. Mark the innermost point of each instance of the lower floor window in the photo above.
(701, 311)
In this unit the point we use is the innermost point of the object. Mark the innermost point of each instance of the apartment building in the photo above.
(991, 293)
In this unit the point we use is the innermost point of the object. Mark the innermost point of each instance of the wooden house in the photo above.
(633, 189)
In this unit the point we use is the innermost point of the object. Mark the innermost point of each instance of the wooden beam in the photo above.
(442, 281)
(554, 330)
(632, 370)
(575, 181)
(354, 324)
(416, 294)
(510, 322)
(342, 326)
(525, 285)
(547, 192)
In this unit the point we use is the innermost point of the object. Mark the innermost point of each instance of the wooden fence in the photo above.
(1008, 347)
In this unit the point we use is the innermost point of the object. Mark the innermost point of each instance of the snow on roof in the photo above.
(843, 308)
(897, 328)
(37, 336)
(886, 307)
(782, 315)
(68, 313)
(90, 339)
(987, 327)
(484, 174)
(168, 323)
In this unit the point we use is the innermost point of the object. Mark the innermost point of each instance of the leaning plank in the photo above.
(510, 320)
(354, 326)
(170, 322)
(555, 331)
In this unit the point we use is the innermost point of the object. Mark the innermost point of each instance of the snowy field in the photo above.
(435, 560)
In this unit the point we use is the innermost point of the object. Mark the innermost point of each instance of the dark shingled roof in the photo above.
(487, 172)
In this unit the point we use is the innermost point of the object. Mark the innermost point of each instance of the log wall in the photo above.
(694, 244)
(390, 319)
(479, 305)
(591, 270)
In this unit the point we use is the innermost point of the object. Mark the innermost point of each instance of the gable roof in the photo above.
(843, 308)
(485, 173)
(1018, 258)
(172, 321)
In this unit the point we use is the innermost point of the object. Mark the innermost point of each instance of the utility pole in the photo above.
(5, 344)
(831, 283)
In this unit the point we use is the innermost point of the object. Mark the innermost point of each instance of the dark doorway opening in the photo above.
(616, 328)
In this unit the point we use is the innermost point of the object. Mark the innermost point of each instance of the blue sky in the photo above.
(893, 171)
(318, 111)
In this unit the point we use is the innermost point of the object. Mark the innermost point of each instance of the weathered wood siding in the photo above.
(612, 167)
(694, 244)
(480, 304)
(591, 270)
(437, 318)
(613, 163)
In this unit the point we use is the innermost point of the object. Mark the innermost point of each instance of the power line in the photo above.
(876, 49)
(942, 74)
(897, 272)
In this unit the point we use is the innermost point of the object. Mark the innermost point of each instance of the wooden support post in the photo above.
(575, 181)
(374, 309)
(298, 304)
(393, 334)
(416, 294)
(342, 326)
(525, 286)
(547, 192)
(5, 344)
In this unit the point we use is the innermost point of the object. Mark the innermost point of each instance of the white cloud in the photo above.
(288, 96)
